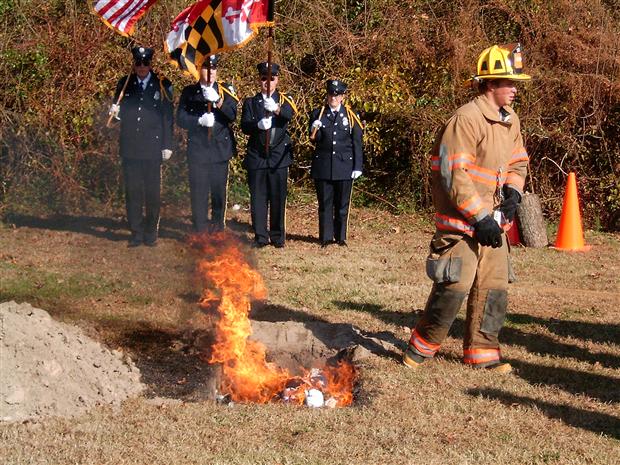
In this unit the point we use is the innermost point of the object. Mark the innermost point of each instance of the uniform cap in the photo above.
(142, 53)
(211, 62)
(263, 68)
(336, 87)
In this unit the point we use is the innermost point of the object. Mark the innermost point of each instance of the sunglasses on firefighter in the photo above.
(264, 78)
(142, 62)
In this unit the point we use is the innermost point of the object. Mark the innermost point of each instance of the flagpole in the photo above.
(120, 96)
(209, 105)
(270, 16)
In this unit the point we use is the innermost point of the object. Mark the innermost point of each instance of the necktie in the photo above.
(141, 85)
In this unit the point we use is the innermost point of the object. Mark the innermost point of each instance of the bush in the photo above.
(405, 63)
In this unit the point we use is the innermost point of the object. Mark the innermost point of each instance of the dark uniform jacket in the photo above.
(280, 151)
(221, 146)
(338, 149)
(146, 118)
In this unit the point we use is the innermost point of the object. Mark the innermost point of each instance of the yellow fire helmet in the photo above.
(501, 62)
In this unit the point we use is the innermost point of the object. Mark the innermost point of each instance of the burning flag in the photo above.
(121, 15)
(211, 26)
(230, 285)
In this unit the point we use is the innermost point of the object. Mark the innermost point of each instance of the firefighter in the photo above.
(479, 165)
(265, 117)
(337, 161)
(146, 115)
(207, 109)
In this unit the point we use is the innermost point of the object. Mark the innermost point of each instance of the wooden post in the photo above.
(532, 228)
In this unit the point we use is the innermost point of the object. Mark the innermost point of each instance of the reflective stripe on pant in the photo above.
(458, 266)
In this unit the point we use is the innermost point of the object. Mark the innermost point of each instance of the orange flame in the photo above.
(231, 284)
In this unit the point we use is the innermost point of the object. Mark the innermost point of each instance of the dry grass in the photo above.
(563, 336)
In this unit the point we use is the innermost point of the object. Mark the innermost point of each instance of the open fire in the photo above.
(231, 284)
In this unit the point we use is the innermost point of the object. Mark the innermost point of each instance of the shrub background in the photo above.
(405, 63)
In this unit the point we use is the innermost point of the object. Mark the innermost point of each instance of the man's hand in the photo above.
(316, 124)
(114, 110)
(265, 124)
(207, 120)
(166, 154)
(511, 201)
(488, 232)
(211, 95)
(356, 174)
(271, 105)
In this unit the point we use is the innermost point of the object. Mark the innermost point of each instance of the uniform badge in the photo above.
(156, 95)
(345, 121)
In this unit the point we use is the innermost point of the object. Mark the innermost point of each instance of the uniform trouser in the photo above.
(459, 266)
(142, 189)
(334, 198)
(208, 181)
(268, 190)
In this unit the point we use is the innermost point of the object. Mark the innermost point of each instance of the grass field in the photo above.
(561, 406)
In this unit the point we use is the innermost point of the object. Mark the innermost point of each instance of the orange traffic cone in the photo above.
(570, 233)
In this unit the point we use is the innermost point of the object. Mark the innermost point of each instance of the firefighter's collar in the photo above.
(490, 113)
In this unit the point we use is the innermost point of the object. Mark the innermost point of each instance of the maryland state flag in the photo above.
(211, 26)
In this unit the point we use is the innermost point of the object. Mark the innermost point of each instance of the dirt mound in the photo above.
(49, 368)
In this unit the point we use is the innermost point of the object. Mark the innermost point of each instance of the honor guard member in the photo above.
(266, 117)
(207, 109)
(479, 165)
(146, 116)
(338, 157)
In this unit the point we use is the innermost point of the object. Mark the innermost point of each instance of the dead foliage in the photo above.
(404, 61)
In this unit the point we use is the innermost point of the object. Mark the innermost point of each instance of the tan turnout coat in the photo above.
(475, 155)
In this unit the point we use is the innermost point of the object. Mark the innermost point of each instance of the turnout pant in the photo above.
(459, 266)
(142, 189)
(208, 182)
(268, 190)
(334, 199)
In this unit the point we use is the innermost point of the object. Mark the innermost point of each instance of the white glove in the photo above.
(271, 105)
(316, 124)
(207, 120)
(166, 154)
(356, 174)
(114, 110)
(265, 124)
(211, 95)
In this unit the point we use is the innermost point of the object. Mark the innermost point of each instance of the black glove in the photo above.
(511, 201)
(488, 232)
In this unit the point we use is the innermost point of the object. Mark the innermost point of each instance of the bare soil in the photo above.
(53, 369)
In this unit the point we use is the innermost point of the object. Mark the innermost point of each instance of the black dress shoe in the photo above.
(326, 243)
(136, 240)
(259, 245)
(151, 243)
(342, 243)
(279, 245)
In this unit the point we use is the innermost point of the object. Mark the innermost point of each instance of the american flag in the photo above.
(121, 15)
(212, 26)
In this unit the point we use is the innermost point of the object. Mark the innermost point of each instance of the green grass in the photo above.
(25, 283)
